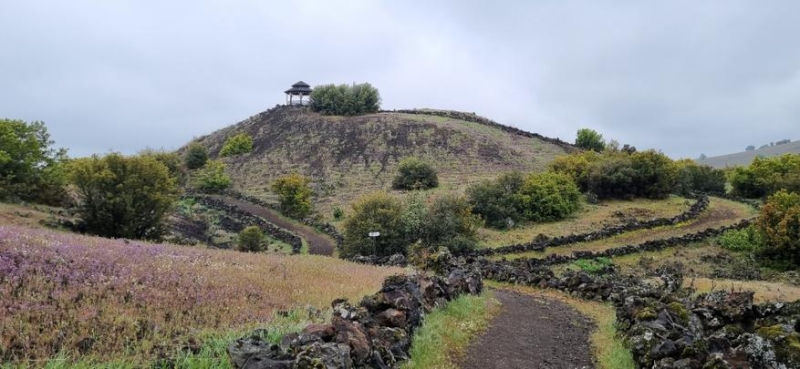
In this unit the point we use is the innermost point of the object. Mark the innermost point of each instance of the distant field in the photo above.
(590, 218)
(114, 299)
(745, 157)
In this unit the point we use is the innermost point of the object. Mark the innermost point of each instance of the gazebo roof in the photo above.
(299, 88)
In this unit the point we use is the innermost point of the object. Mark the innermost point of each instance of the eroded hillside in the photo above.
(349, 156)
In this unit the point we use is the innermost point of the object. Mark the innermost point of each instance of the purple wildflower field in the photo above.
(62, 292)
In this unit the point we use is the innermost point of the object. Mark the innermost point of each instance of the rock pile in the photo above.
(542, 242)
(376, 333)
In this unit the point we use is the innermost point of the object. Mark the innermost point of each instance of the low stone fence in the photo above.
(474, 118)
(540, 244)
(270, 229)
(323, 227)
(376, 333)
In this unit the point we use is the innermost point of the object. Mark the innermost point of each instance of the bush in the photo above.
(170, 160)
(376, 212)
(251, 239)
(692, 178)
(196, 156)
(497, 201)
(338, 213)
(239, 144)
(739, 240)
(295, 195)
(122, 196)
(765, 176)
(414, 174)
(449, 223)
(30, 169)
(778, 226)
(211, 178)
(620, 174)
(548, 196)
(589, 139)
(345, 99)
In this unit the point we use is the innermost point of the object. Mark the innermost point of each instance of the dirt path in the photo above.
(318, 244)
(532, 332)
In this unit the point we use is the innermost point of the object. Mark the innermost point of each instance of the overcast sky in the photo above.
(686, 77)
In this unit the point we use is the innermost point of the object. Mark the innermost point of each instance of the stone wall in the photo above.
(375, 333)
(268, 228)
(544, 242)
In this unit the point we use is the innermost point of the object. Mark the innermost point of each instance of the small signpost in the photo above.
(374, 236)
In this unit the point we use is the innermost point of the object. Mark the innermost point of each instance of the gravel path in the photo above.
(532, 332)
(318, 244)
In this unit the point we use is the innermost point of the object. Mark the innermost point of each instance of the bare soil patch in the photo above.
(318, 244)
(532, 332)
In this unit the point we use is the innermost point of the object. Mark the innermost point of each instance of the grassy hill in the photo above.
(349, 156)
(745, 157)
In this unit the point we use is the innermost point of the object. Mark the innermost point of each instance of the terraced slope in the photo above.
(349, 156)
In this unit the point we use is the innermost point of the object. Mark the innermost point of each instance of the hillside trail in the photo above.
(532, 332)
(318, 244)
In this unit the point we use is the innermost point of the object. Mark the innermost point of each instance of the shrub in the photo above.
(414, 174)
(122, 196)
(196, 156)
(548, 196)
(589, 139)
(170, 160)
(778, 226)
(345, 99)
(251, 239)
(295, 195)
(376, 212)
(593, 265)
(497, 201)
(449, 223)
(740, 240)
(239, 144)
(765, 176)
(338, 213)
(692, 177)
(30, 169)
(211, 178)
(620, 174)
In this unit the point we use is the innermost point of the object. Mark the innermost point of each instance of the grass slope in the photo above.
(349, 156)
(745, 157)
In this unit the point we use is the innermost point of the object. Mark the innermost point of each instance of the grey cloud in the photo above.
(686, 77)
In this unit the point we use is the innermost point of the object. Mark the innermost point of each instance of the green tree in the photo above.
(778, 226)
(548, 196)
(294, 192)
(211, 178)
(415, 174)
(589, 139)
(251, 239)
(450, 223)
(171, 160)
(30, 169)
(122, 196)
(692, 177)
(236, 145)
(376, 212)
(765, 176)
(196, 156)
(345, 99)
(497, 201)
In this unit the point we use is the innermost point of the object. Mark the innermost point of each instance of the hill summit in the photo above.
(349, 156)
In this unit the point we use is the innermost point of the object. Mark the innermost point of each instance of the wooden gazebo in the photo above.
(298, 89)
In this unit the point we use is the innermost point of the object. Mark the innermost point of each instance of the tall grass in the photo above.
(114, 300)
(447, 332)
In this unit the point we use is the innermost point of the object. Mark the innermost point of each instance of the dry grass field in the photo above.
(66, 294)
